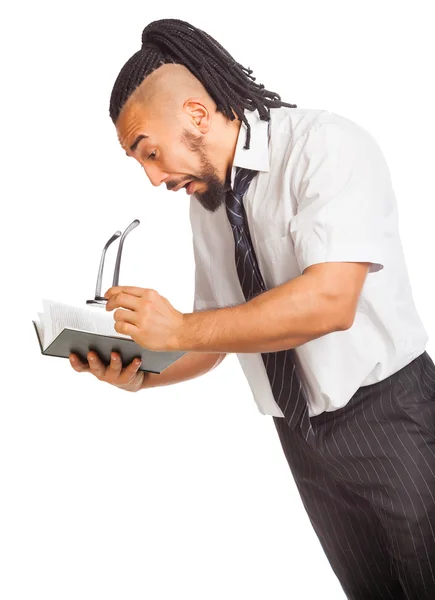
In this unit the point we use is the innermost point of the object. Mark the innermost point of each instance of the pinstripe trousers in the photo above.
(368, 485)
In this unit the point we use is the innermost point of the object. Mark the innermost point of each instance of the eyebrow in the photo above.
(136, 142)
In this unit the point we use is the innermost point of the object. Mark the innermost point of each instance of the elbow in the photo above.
(345, 319)
(345, 324)
(341, 315)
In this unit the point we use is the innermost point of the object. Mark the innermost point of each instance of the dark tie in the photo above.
(280, 366)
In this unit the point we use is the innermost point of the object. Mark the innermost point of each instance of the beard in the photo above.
(214, 195)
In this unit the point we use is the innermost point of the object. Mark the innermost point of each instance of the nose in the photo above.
(155, 175)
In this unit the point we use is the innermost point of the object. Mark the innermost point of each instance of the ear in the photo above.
(198, 114)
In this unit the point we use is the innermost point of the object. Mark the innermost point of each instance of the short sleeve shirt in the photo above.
(323, 194)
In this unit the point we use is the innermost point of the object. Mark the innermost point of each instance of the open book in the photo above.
(63, 329)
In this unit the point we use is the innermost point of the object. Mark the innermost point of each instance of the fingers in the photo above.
(94, 364)
(114, 370)
(77, 364)
(113, 373)
(115, 366)
(127, 316)
(128, 289)
(97, 367)
(133, 368)
(123, 299)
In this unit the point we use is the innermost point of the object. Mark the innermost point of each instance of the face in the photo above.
(172, 154)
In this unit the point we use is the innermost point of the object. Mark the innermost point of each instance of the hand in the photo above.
(151, 321)
(129, 379)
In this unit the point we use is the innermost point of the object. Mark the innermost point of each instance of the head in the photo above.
(178, 104)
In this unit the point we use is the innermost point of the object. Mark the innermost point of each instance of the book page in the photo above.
(40, 328)
(57, 316)
(46, 326)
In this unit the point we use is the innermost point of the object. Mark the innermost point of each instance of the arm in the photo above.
(189, 366)
(345, 219)
(321, 300)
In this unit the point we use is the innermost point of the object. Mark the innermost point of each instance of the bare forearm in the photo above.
(189, 366)
(283, 317)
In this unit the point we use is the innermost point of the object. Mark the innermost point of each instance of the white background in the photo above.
(182, 491)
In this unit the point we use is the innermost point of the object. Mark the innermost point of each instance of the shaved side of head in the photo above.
(165, 90)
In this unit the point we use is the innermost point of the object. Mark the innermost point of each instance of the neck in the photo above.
(232, 139)
(225, 144)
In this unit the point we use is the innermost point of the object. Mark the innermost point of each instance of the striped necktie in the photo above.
(280, 366)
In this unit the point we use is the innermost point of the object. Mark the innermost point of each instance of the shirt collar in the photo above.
(257, 157)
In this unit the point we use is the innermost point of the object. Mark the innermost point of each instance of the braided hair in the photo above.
(231, 85)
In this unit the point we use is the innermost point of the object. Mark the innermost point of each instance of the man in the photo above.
(300, 271)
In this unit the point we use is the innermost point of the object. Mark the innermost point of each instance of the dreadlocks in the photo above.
(231, 85)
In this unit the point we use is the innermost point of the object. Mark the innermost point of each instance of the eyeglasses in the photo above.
(99, 300)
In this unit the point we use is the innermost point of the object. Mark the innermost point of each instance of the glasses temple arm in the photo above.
(132, 225)
(100, 270)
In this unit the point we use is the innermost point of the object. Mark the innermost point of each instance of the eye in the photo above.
(152, 156)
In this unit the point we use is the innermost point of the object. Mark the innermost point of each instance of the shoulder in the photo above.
(334, 128)
(293, 122)
(317, 134)
(297, 124)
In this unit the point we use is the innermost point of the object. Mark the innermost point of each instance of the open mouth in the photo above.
(177, 189)
(189, 187)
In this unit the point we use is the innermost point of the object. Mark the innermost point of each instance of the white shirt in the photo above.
(323, 194)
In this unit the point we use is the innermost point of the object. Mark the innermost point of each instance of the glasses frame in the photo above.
(99, 300)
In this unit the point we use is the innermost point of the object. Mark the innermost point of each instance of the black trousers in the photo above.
(368, 485)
